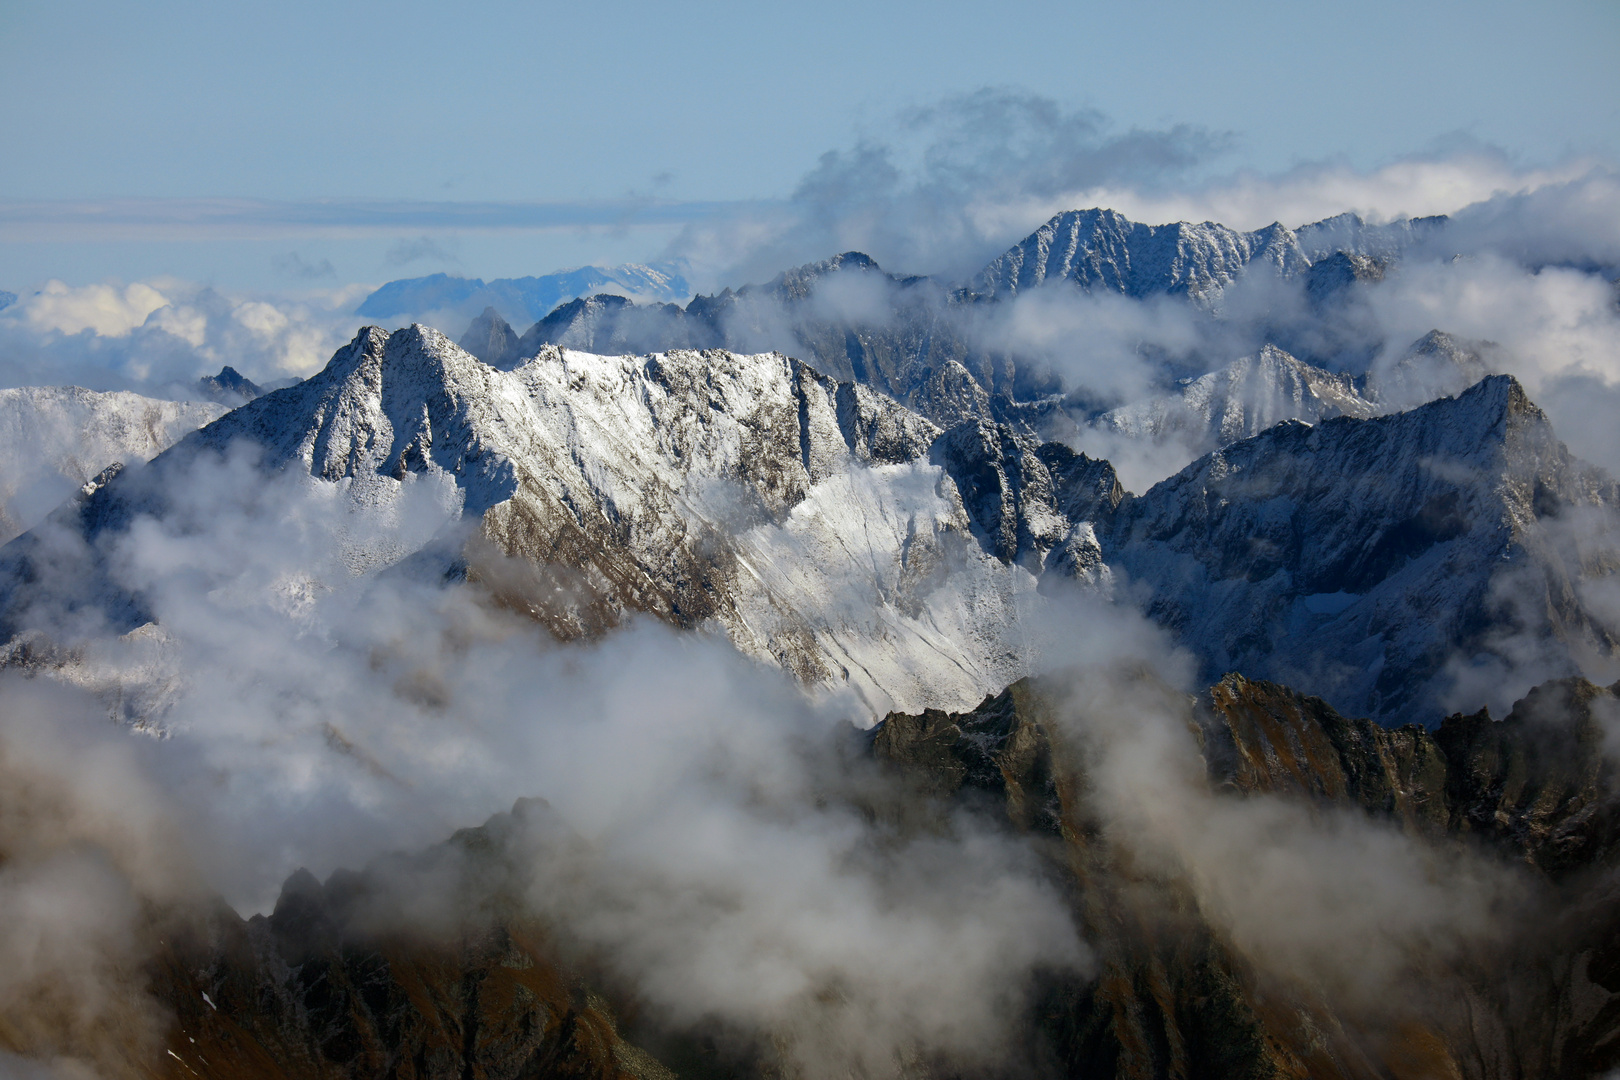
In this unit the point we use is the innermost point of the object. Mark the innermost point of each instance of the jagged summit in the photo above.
(490, 338)
(1364, 556)
(745, 492)
(1103, 250)
(229, 387)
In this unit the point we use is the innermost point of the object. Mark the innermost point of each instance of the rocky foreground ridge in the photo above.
(337, 982)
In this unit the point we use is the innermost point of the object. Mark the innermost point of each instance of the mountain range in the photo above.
(832, 531)
(1329, 861)
(519, 298)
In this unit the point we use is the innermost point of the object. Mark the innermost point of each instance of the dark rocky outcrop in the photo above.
(230, 387)
(1176, 996)
(429, 966)
(340, 982)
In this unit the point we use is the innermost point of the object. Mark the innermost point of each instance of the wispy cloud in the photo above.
(408, 251)
(295, 265)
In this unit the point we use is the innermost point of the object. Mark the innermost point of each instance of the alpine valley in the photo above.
(1259, 719)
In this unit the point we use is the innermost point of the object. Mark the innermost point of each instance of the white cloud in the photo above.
(1413, 187)
(160, 336)
(107, 310)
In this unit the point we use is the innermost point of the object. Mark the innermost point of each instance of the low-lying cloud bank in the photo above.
(310, 716)
(159, 337)
(709, 841)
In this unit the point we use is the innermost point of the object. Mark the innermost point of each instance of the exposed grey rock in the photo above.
(490, 338)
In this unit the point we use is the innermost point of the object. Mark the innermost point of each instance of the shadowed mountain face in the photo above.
(489, 338)
(1386, 562)
(340, 980)
(343, 980)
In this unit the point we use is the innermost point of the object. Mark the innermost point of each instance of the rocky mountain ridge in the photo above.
(1102, 250)
(1393, 563)
(745, 493)
(340, 981)
(1177, 994)
(1379, 561)
(898, 334)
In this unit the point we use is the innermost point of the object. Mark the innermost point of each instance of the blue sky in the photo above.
(246, 146)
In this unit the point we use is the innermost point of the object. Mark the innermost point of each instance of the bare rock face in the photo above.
(338, 983)
(351, 978)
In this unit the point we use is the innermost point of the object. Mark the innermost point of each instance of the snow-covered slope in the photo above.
(1396, 566)
(1392, 564)
(55, 438)
(801, 516)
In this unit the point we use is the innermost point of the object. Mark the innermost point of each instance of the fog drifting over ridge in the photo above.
(704, 839)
